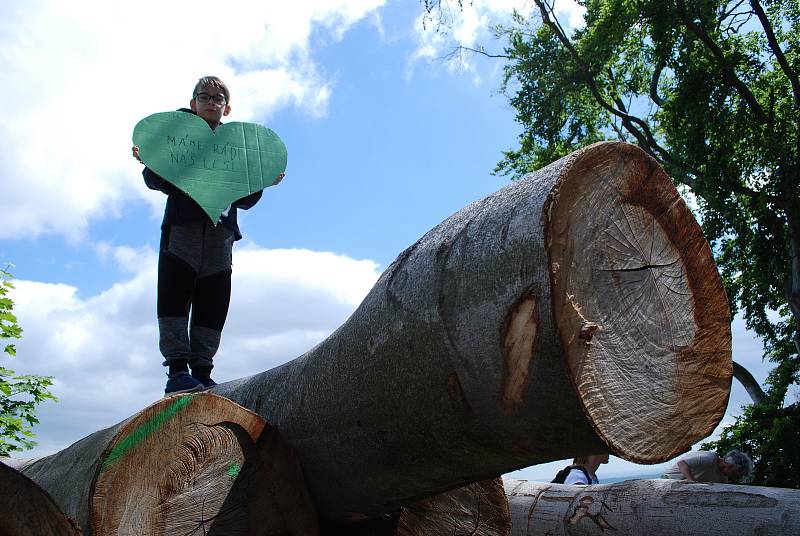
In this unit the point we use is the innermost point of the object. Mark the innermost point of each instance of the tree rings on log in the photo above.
(480, 509)
(638, 303)
(199, 464)
(27, 510)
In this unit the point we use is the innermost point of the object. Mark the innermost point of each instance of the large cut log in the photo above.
(27, 510)
(479, 509)
(187, 464)
(652, 507)
(576, 311)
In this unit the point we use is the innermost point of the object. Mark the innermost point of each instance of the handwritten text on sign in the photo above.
(214, 167)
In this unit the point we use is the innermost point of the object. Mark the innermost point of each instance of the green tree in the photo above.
(19, 394)
(710, 89)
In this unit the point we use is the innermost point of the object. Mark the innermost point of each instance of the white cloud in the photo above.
(77, 77)
(103, 350)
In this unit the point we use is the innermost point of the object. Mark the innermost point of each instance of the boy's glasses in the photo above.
(205, 97)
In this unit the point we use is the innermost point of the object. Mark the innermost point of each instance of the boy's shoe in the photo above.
(182, 382)
(203, 375)
(208, 383)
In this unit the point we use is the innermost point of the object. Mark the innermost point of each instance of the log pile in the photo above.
(576, 311)
(652, 507)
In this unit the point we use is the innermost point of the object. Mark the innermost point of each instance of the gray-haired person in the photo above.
(706, 466)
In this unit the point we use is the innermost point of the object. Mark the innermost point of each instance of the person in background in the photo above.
(706, 466)
(590, 463)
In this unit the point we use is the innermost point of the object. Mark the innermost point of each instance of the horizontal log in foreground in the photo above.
(575, 311)
(652, 507)
(27, 510)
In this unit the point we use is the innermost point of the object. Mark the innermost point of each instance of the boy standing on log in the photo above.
(194, 263)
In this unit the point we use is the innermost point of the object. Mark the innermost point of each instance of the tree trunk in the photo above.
(27, 510)
(576, 311)
(187, 463)
(480, 509)
(748, 382)
(652, 507)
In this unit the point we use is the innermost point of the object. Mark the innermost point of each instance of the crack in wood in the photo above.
(639, 269)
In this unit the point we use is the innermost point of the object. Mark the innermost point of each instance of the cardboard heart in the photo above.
(213, 167)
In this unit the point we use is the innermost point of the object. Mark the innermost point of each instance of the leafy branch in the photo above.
(19, 394)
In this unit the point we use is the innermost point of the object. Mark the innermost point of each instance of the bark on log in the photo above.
(652, 507)
(573, 312)
(576, 311)
(186, 464)
(480, 509)
(27, 510)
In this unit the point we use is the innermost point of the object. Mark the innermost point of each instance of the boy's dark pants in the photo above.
(194, 272)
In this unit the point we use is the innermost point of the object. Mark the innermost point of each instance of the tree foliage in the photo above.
(709, 88)
(771, 435)
(19, 394)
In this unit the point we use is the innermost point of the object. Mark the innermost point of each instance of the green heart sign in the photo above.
(213, 167)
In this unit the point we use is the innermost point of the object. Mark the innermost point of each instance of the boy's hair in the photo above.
(211, 81)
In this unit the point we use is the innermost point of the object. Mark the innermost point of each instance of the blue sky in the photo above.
(385, 140)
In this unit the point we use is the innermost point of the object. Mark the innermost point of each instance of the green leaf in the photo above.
(19, 394)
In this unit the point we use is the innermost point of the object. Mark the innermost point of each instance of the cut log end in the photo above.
(27, 510)
(480, 509)
(199, 464)
(640, 308)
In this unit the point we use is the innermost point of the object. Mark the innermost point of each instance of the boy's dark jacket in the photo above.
(183, 209)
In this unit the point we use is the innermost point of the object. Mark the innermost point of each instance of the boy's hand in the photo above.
(279, 179)
(135, 150)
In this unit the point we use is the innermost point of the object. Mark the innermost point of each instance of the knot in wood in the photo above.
(587, 330)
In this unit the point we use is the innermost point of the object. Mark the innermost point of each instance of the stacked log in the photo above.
(576, 311)
(188, 464)
(652, 507)
(27, 510)
(479, 509)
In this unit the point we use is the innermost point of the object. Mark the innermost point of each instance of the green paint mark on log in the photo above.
(145, 429)
(233, 470)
